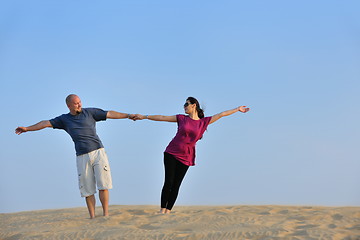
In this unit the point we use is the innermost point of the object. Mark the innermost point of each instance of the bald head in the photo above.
(69, 98)
(74, 104)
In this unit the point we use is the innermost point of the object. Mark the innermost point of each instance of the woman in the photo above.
(180, 153)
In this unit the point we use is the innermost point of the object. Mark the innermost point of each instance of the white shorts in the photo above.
(93, 169)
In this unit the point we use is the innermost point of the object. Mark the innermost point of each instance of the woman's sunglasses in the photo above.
(186, 104)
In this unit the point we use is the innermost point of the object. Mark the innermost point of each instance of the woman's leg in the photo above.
(174, 174)
(180, 172)
(169, 166)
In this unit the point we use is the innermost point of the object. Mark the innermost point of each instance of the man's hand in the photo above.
(20, 130)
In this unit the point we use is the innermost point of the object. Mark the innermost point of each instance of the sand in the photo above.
(186, 222)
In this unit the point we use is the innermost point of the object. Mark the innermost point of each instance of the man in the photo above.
(92, 162)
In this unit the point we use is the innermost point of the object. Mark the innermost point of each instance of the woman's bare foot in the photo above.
(164, 211)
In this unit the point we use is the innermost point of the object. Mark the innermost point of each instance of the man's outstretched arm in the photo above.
(118, 115)
(35, 127)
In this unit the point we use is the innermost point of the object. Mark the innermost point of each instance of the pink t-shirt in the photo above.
(182, 146)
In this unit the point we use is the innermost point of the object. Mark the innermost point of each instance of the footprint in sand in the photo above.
(355, 227)
(148, 227)
(284, 212)
(298, 218)
(183, 230)
(307, 226)
(137, 212)
(337, 216)
(302, 233)
(332, 226)
(264, 213)
(14, 237)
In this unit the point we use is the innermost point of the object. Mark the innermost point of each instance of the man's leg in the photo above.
(104, 199)
(90, 202)
(87, 182)
(103, 179)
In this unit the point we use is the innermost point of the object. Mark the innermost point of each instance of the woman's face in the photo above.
(189, 107)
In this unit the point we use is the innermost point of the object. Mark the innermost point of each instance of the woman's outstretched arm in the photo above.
(216, 117)
(156, 118)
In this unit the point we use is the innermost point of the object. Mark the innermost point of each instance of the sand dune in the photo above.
(186, 222)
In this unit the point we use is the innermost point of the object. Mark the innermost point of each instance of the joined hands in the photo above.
(137, 116)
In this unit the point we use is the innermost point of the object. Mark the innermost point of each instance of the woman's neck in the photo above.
(194, 116)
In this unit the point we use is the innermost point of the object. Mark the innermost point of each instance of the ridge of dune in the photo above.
(186, 222)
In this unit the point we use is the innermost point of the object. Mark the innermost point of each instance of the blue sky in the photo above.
(295, 63)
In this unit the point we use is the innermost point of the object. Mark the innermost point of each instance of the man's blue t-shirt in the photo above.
(81, 128)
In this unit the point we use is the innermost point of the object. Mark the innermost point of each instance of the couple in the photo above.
(92, 162)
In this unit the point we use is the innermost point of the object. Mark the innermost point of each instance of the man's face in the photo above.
(75, 105)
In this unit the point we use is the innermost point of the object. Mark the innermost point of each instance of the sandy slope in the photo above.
(186, 222)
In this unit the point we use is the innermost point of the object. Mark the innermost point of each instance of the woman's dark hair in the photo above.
(193, 100)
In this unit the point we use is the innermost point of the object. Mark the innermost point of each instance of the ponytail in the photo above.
(200, 112)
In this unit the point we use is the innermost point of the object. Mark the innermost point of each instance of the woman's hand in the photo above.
(243, 109)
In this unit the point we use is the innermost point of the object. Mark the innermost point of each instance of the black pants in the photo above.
(174, 174)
